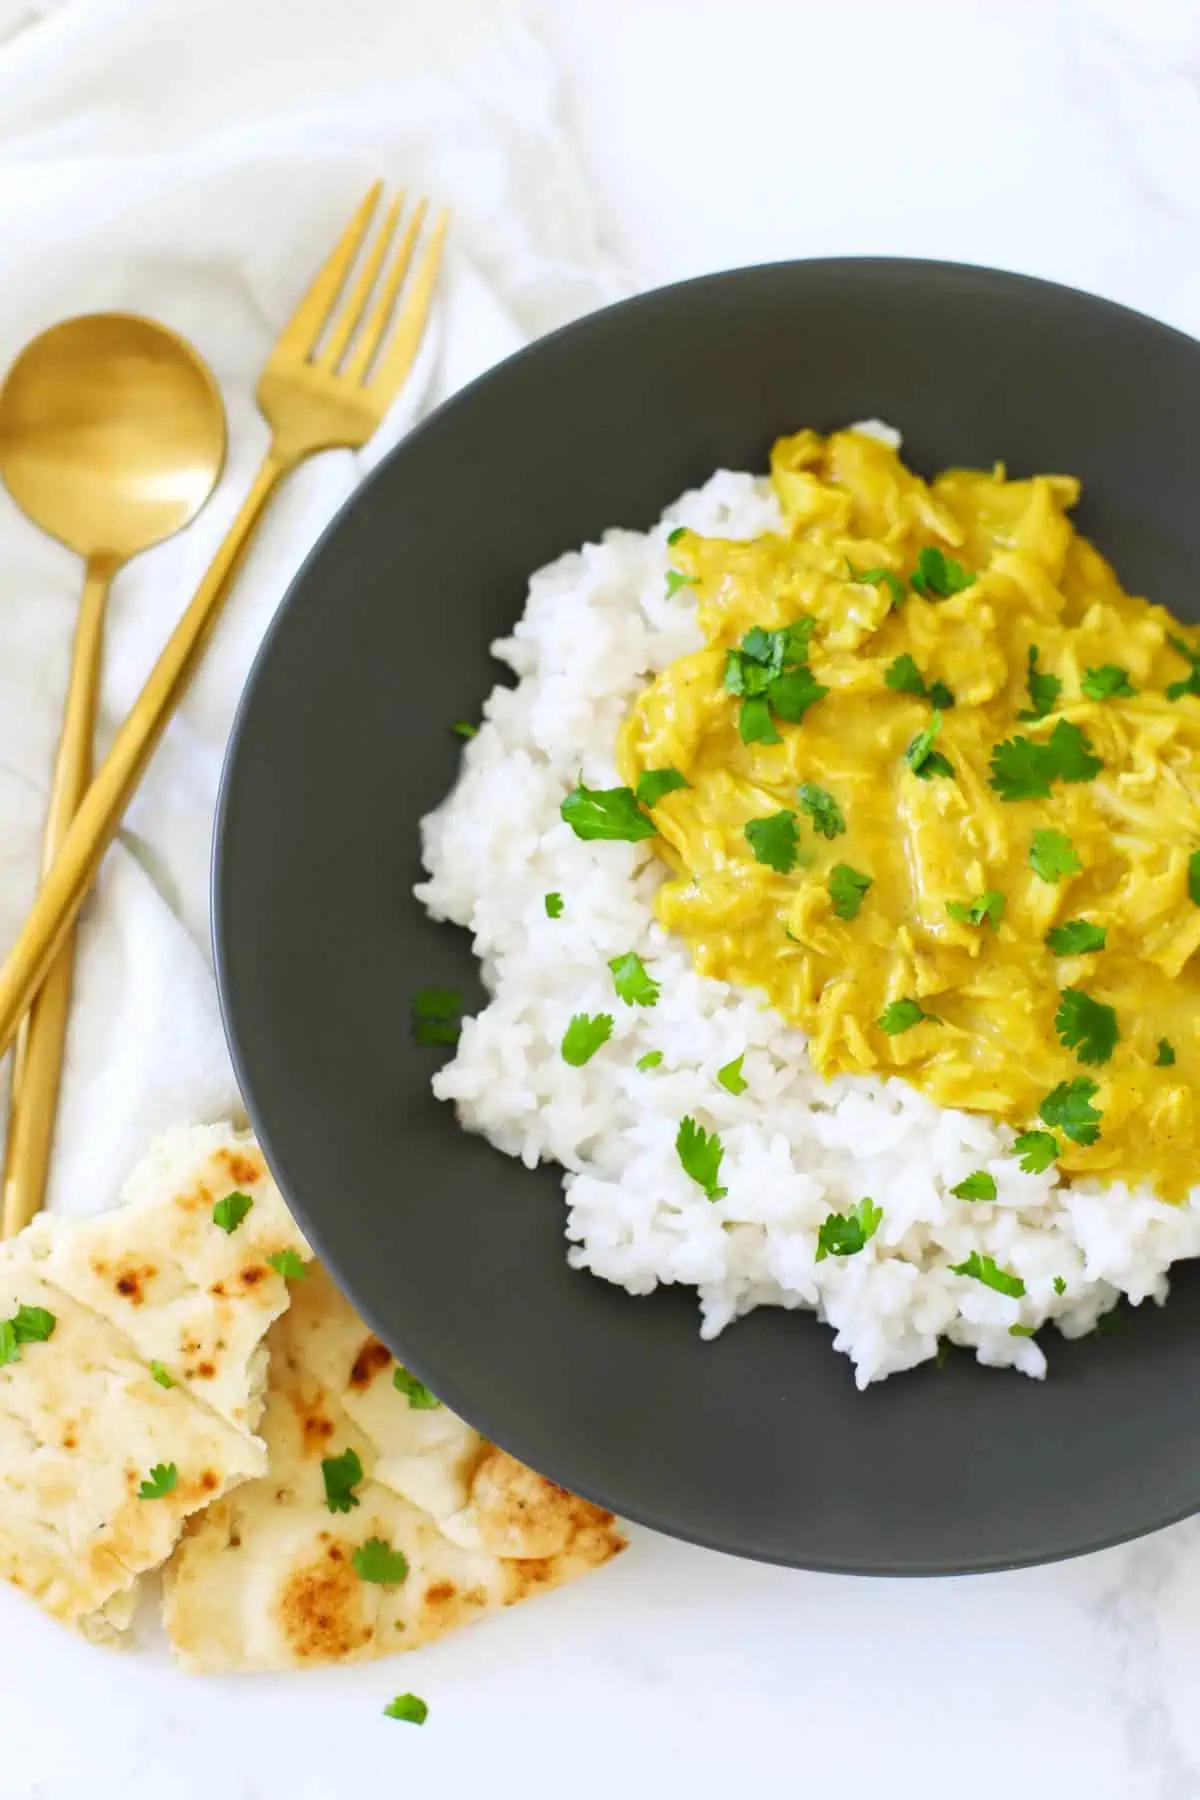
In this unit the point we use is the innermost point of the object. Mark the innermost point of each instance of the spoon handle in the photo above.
(70, 878)
(37, 1065)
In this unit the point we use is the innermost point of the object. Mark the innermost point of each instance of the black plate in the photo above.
(759, 1443)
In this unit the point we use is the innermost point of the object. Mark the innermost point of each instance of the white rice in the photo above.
(597, 625)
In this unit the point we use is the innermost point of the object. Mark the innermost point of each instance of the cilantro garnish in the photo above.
(673, 537)
(977, 1186)
(229, 1212)
(1077, 937)
(554, 905)
(436, 1015)
(377, 1561)
(342, 1475)
(775, 840)
(408, 1707)
(730, 1076)
(1069, 1108)
(651, 1060)
(1108, 682)
(1043, 689)
(938, 576)
(904, 677)
(1193, 879)
(985, 1269)
(1023, 770)
(463, 728)
(1191, 682)
(1052, 855)
(584, 1036)
(890, 580)
(419, 1397)
(28, 1325)
(676, 580)
(902, 1015)
(700, 1153)
(654, 783)
(9, 1353)
(162, 1480)
(634, 985)
(845, 1234)
(288, 1264)
(1166, 1054)
(1022, 1331)
(611, 813)
(1036, 1149)
(1087, 1026)
(986, 909)
(771, 677)
(161, 1373)
(847, 890)
(821, 807)
(921, 756)
(1060, 1285)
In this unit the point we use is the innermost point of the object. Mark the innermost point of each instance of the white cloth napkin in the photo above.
(195, 162)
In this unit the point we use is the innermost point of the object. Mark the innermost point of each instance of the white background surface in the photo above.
(1060, 137)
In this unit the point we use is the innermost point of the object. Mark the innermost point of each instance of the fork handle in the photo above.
(68, 881)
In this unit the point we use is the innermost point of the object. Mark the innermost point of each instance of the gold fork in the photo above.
(317, 392)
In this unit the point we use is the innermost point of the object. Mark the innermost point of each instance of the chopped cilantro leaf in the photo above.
(408, 1707)
(1043, 689)
(1087, 1026)
(651, 1060)
(377, 1561)
(1068, 1107)
(977, 1186)
(9, 1349)
(771, 676)
(904, 677)
(229, 1212)
(938, 576)
(1077, 937)
(985, 1269)
(730, 1076)
(1166, 1054)
(1060, 1285)
(654, 783)
(1022, 770)
(463, 728)
(774, 840)
(1191, 682)
(436, 1015)
(676, 580)
(792, 693)
(634, 985)
(921, 756)
(161, 1374)
(1052, 855)
(162, 1480)
(673, 537)
(584, 1036)
(554, 905)
(890, 580)
(33, 1324)
(342, 1475)
(822, 809)
(902, 1015)
(847, 890)
(755, 724)
(1022, 1331)
(419, 1397)
(1108, 682)
(1193, 877)
(986, 909)
(700, 1153)
(940, 696)
(611, 813)
(288, 1264)
(1071, 748)
(845, 1234)
(1036, 1149)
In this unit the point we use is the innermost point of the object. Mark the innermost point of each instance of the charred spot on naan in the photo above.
(371, 1360)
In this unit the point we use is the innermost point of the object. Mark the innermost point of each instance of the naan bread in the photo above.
(83, 1420)
(266, 1578)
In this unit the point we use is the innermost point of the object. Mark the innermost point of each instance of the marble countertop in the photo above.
(1057, 137)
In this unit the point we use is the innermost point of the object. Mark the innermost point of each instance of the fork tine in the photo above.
(396, 357)
(303, 329)
(352, 308)
(372, 336)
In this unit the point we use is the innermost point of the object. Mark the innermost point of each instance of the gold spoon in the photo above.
(112, 436)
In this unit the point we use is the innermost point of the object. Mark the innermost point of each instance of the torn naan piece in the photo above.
(382, 1523)
(131, 1369)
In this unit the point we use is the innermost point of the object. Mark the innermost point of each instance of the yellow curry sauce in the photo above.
(926, 852)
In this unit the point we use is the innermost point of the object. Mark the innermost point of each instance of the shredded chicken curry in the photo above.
(942, 801)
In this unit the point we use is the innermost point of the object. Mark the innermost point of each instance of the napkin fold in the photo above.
(196, 163)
